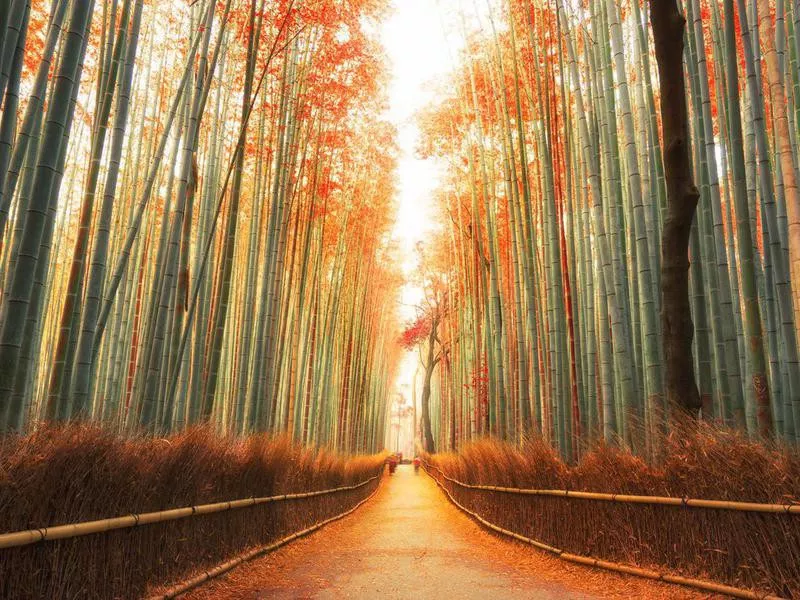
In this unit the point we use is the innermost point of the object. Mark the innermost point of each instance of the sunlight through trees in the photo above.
(555, 241)
(196, 200)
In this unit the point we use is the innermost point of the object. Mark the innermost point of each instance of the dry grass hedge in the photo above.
(78, 473)
(749, 550)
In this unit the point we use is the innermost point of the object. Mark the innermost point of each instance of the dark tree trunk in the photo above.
(430, 365)
(682, 196)
(427, 432)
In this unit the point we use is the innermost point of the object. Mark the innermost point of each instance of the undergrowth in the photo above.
(75, 473)
(751, 550)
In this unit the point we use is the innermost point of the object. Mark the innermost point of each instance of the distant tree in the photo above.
(422, 334)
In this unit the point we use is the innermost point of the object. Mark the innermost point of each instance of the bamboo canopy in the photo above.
(194, 219)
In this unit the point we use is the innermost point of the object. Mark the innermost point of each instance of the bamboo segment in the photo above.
(60, 532)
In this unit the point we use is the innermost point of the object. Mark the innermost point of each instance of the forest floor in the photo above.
(408, 541)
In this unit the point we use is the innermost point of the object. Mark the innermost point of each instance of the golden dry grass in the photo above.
(60, 475)
(749, 550)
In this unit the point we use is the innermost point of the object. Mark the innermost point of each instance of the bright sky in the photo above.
(419, 54)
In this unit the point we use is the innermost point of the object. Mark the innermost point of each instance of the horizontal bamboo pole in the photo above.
(223, 568)
(789, 509)
(708, 586)
(60, 532)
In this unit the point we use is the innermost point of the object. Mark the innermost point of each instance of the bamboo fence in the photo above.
(596, 562)
(60, 532)
(788, 508)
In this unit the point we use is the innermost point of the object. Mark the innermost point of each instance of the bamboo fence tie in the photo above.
(60, 532)
(699, 584)
(223, 568)
(789, 508)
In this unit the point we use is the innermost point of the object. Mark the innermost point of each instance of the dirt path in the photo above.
(410, 542)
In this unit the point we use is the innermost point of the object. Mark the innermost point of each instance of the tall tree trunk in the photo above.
(682, 196)
(430, 365)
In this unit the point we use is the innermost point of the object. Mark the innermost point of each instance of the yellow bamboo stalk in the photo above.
(222, 568)
(789, 509)
(60, 532)
(699, 584)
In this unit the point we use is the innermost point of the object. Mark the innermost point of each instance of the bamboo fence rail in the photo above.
(59, 532)
(789, 508)
(223, 568)
(699, 584)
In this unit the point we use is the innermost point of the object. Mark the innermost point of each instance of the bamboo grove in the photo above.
(544, 280)
(195, 206)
